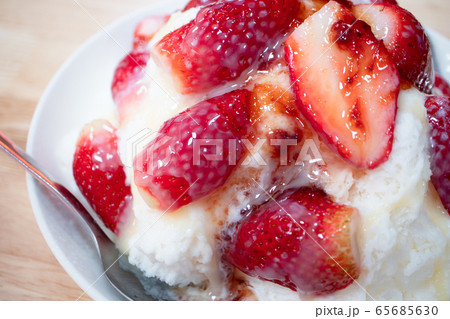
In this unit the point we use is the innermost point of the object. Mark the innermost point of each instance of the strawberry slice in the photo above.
(146, 29)
(441, 87)
(438, 111)
(353, 103)
(302, 241)
(199, 3)
(225, 41)
(100, 176)
(405, 39)
(194, 153)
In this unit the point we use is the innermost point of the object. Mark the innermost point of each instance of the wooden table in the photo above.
(36, 38)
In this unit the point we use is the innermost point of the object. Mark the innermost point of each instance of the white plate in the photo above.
(78, 93)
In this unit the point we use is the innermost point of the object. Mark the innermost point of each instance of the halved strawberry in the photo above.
(100, 176)
(128, 80)
(302, 241)
(146, 29)
(225, 41)
(194, 152)
(405, 39)
(199, 3)
(441, 87)
(438, 110)
(346, 84)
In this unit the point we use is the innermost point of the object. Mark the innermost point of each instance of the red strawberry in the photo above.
(441, 87)
(352, 104)
(146, 29)
(100, 176)
(303, 242)
(129, 71)
(177, 167)
(405, 39)
(199, 3)
(225, 41)
(438, 110)
(128, 79)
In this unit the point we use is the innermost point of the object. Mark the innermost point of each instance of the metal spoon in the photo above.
(126, 282)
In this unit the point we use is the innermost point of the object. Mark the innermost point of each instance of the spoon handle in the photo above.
(38, 173)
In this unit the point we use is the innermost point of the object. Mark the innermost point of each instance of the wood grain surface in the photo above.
(36, 37)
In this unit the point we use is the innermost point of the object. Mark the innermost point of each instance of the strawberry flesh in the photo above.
(172, 172)
(352, 105)
(301, 241)
(438, 111)
(100, 175)
(226, 41)
(405, 39)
